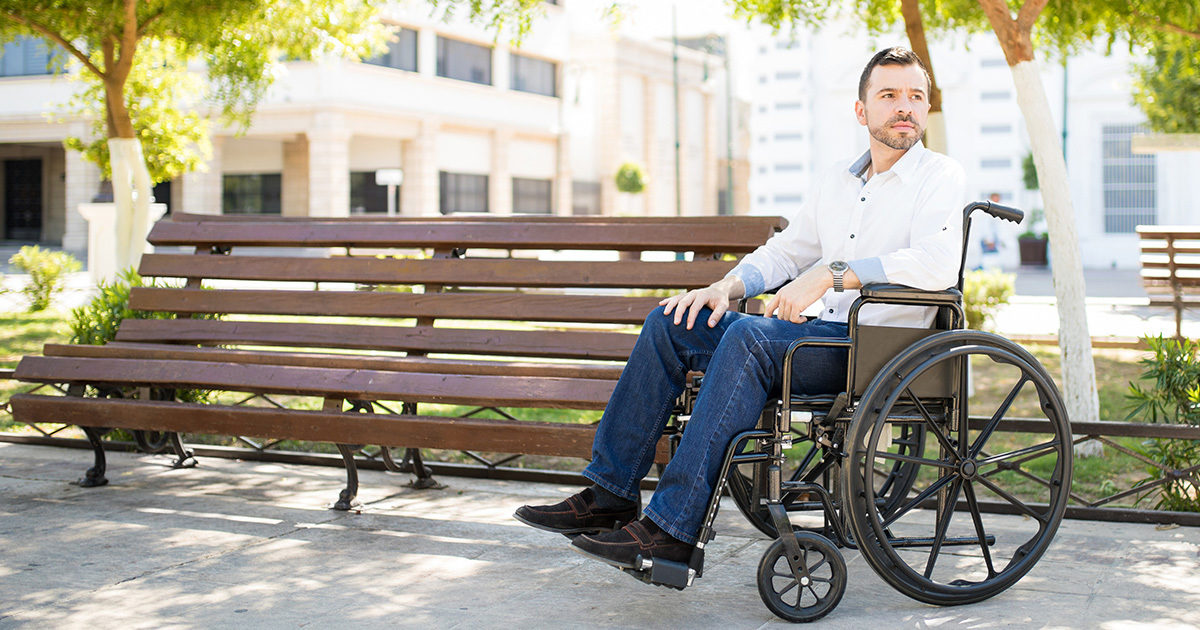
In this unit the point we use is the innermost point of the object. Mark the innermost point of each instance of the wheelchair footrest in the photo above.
(676, 575)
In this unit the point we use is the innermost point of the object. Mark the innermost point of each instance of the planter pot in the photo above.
(1033, 250)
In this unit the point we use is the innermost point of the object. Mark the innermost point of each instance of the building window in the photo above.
(784, 106)
(789, 198)
(534, 75)
(258, 193)
(463, 61)
(1129, 182)
(585, 198)
(367, 197)
(999, 95)
(992, 62)
(461, 192)
(783, 168)
(401, 54)
(787, 76)
(789, 136)
(531, 196)
(995, 129)
(995, 163)
(27, 56)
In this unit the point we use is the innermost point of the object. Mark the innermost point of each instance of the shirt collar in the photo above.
(904, 168)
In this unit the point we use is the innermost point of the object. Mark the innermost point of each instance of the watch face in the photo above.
(838, 265)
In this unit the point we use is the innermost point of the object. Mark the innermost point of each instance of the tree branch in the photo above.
(59, 39)
(1156, 22)
(149, 20)
(1029, 13)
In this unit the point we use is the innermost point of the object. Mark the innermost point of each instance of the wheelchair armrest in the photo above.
(900, 292)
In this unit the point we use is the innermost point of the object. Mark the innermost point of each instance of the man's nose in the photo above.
(903, 104)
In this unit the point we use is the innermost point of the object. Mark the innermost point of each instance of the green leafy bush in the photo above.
(630, 178)
(1171, 397)
(96, 323)
(47, 271)
(983, 291)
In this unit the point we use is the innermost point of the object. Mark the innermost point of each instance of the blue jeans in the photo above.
(742, 361)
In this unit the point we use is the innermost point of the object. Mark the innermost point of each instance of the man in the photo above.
(893, 215)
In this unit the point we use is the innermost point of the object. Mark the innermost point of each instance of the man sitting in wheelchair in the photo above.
(891, 215)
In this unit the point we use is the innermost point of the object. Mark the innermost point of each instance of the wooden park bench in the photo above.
(1171, 267)
(360, 325)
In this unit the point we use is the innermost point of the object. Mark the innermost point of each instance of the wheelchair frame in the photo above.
(847, 431)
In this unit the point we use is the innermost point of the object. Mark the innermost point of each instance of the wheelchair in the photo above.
(899, 465)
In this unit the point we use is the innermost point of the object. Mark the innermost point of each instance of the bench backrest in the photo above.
(449, 285)
(1170, 258)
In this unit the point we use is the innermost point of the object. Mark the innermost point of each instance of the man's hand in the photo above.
(715, 296)
(790, 301)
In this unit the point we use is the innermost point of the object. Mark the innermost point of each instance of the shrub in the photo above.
(630, 178)
(1171, 397)
(47, 271)
(96, 322)
(983, 291)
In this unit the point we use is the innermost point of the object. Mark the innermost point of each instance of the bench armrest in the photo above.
(900, 292)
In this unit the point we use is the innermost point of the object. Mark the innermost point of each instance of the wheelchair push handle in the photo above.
(997, 210)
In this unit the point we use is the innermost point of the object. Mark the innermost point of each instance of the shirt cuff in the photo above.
(751, 278)
(868, 270)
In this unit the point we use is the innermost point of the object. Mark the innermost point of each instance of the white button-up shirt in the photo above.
(903, 226)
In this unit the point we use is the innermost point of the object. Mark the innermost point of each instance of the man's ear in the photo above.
(860, 112)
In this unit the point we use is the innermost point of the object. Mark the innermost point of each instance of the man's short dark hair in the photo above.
(894, 56)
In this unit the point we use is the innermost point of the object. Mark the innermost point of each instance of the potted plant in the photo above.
(1032, 242)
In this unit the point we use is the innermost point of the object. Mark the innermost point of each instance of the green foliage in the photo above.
(983, 292)
(96, 322)
(47, 271)
(1171, 397)
(630, 178)
(1029, 172)
(1167, 88)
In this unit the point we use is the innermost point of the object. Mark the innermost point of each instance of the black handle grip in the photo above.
(999, 211)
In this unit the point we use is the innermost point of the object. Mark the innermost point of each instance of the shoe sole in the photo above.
(569, 532)
(609, 561)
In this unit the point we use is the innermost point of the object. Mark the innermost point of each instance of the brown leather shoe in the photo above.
(623, 547)
(578, 514)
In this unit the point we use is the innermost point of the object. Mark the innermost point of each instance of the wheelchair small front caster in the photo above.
(811, 589)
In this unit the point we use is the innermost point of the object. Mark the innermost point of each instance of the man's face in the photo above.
(897, 105)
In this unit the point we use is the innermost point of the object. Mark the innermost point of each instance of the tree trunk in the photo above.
(914, 27)
(1079, 370)
(131, 193)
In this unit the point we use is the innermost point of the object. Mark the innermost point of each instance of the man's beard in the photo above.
(885, 134)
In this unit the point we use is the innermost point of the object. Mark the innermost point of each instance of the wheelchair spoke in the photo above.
(1028, 450)
(943, 524)
(987, 431)
(973, 506)
(1041, 518)
(915, 460)
(925, 494)
(941, 437)
(791, 585)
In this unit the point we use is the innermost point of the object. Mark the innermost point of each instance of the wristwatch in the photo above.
(838, 267)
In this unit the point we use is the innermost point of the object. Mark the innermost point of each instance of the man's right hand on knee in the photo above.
(715, 296)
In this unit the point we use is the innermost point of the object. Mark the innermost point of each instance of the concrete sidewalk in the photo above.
(252, 545)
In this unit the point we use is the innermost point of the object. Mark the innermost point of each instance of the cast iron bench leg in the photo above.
(94, 477)
(347, 500)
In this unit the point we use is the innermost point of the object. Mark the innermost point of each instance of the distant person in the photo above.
(990, 242)
(893, 215)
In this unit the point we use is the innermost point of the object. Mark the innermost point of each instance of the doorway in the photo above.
(23, 200)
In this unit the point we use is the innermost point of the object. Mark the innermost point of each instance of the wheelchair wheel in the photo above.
(939, 546)
(810, 593)
(892, 480)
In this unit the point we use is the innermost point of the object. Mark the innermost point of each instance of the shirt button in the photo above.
(851, 236)
(830, 310)
(862, 198)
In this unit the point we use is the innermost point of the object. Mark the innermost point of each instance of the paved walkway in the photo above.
(252, 545)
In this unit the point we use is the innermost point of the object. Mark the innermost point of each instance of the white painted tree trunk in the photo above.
(1079, 370)
(131, 193)
(935, 133)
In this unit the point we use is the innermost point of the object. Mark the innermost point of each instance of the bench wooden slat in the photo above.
(731, 237)
(500, 391)
(121, 350)
(1177, 248)
(767, 222)
(469, 272)
(557, 344)
(1186, 232)
(490, 306)
(541, 438)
